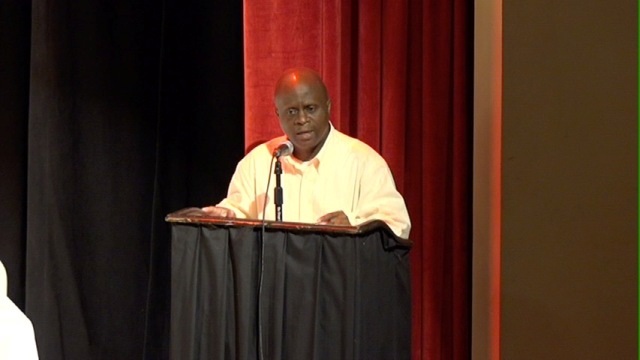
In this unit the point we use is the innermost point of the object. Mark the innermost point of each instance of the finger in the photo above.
(340, 220)
(328, 217)
(325, 219)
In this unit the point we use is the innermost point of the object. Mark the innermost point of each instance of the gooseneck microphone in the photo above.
(284, 149)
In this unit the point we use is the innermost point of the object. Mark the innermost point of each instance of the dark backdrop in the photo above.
(112, 114)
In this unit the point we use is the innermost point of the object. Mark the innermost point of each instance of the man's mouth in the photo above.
(304, 135)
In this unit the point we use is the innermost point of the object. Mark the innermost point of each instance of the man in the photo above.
(330, 178)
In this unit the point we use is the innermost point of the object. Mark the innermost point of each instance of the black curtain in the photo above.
(113, 114)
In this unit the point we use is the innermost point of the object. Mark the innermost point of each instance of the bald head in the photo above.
(293, 77)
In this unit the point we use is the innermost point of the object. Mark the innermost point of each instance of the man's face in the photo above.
(303, 110)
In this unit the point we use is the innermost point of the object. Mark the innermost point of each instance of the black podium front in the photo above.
(300, 292)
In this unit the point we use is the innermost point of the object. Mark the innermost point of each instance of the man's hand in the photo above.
(334, 218)
(219, 211)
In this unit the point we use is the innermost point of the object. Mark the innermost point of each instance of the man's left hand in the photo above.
(334, 218)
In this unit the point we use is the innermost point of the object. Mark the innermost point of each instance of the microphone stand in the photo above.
(277, 191)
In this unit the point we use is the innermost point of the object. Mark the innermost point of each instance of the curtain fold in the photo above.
(400, 77)
(116, 113)
(15, 31)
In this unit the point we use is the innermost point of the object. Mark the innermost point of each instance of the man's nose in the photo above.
(301, 119)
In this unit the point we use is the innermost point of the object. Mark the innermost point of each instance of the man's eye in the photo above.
(311, 108)
(292, 112)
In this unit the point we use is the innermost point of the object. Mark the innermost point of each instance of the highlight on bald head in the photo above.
(293, 77)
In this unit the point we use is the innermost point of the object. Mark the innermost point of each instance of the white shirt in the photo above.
(346, 175)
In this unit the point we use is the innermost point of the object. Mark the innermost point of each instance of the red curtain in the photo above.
(399, 73)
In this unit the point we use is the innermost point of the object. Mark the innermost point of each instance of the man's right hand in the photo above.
(219, 212)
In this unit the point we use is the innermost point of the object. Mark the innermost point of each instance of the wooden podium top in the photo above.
(195, 215)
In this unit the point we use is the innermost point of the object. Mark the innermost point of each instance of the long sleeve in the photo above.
(379, 199)
(241, 194)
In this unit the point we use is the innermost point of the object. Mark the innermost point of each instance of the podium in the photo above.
(245, 289)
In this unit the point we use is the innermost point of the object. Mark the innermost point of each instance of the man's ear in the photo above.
(329, 106)
(276, 111)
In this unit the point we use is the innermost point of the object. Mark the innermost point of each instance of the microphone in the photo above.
(284, 149)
